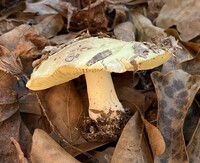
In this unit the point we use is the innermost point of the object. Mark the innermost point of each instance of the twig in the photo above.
(57, 132)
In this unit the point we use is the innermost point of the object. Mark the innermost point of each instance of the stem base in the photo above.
(104, 128)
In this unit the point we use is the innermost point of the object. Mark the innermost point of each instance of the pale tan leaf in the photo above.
(125, 31)
(156, 140)
(131, 146)
(50, 26)
(183, 14)
(65, 110)
(146, 30)
(45, 149)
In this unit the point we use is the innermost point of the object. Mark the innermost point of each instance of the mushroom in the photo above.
(97, 58)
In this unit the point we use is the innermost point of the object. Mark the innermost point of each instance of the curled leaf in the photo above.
(156, 140)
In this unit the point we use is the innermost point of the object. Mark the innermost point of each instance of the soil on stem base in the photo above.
(105, 128)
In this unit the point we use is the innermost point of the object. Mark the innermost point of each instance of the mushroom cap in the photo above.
(95, 54)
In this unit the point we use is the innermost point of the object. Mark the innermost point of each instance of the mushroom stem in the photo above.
(102, 96)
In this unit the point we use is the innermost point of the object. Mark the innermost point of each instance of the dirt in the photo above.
(105, 129)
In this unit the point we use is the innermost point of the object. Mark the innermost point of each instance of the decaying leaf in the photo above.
(154, 7)
(191, 66)
(191, 47)
(41, 7)
(127, 97)
(45, 149)
(31, 44)
(194, 146)
(20, 153)
(183, 14)
(191, 121)
(146, 30)
(11, 126)
(94, 17)
(175, 92)
(50, 26)
(103, 157)
(65, 110)
(11, 38)
(125, 31)
(156, 140)
(9, 62)
(131, 146)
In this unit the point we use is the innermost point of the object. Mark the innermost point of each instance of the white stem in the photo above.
(101, 94)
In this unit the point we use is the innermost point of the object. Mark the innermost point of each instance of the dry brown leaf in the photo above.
(11, 38)
(45, 149)
(180, 56)
(127, 96)
(41, 7)
(156, 140)
(9, 62)
(125, 31)
(20, 153)
(11, 126)
(119, 12)
(103, 156)
(191, 121)
(50, 26)
(192, 47)
(31, 44)
(191, 66)
(194, 146)
(94, 17)
(7, 25)
(175, 92)
(146, 30)
(65, 110)
(183, 14)
(131, 146)
(154, 7)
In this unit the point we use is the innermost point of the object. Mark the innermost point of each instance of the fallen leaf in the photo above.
(126, 94)
(146, 30)
(11, 38)
(175, 92)
(94, 17)
(183, 14)
(125, 31)
(191, 121)
(154, 7)
(7, 25)
(20, 153)
(11, 126)
(41, 7)
(9, 62)
(52, 152)
(131, 146)
(103, 156)
(65, 110)
(156, 140)
(191, 66)
(194, 146)
(30, 44)
(192, 47)
(50, 26)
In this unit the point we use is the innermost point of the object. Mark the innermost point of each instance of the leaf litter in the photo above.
(170, 132)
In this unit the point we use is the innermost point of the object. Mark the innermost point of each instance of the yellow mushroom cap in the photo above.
(95, 54)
